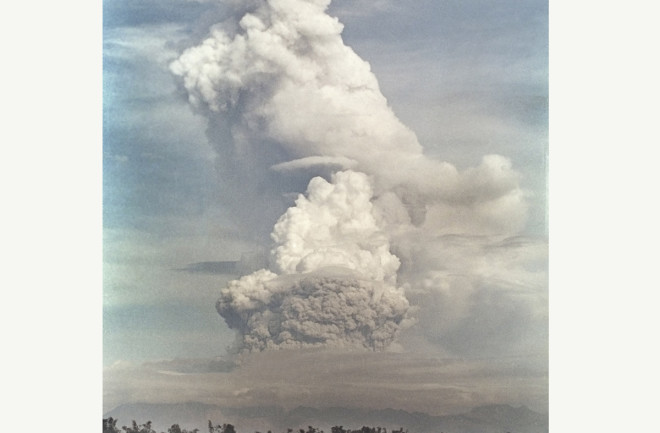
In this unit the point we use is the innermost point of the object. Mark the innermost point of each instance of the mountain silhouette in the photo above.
(483, 419)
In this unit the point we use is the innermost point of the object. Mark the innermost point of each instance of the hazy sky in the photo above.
(444, 106)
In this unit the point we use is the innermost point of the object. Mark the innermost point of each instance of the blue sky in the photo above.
(470, 79)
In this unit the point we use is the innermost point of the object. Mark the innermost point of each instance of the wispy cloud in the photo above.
(339, 379)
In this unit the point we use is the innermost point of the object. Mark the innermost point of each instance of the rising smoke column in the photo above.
(295, 98)
(337, 283)
(283, 74)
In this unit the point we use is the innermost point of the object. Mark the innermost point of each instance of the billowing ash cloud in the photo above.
(315, 310)
(334, 226)
(338, 277)
(284, 94)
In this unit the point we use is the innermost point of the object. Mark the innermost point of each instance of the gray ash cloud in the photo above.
(313, 310)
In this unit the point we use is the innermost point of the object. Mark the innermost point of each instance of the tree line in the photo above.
(110, 426)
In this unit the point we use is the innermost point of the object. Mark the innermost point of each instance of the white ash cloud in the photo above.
(280, 81)
(334, 226)
(337, 283)
(338, 277)
(283, 94)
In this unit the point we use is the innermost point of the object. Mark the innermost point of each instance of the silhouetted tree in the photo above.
(224, 428)
(135, 428)
(110, 425)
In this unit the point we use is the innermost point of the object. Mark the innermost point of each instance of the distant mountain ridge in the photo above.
(483, 419)
(163, 416)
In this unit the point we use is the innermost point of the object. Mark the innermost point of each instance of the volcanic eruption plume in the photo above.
(278, 79)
